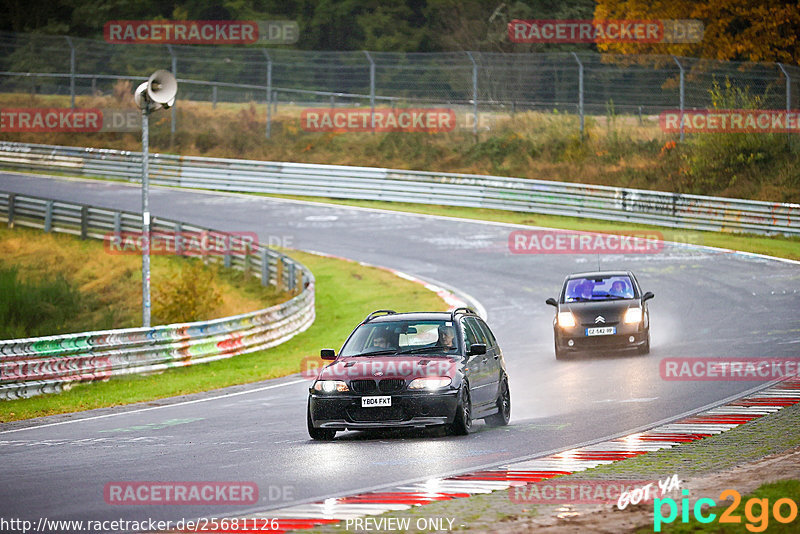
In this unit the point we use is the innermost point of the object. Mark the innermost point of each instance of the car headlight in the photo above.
(566, 319)
(633, 316)
(437, 382)
(330, 386)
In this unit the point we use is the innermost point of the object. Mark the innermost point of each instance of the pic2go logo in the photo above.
(758, 521)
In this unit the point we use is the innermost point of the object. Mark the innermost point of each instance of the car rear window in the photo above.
(598, 288)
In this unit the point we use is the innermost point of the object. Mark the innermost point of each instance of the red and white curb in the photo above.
(692, 428)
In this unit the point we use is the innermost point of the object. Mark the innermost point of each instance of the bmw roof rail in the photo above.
(376, 313)
(462, 309)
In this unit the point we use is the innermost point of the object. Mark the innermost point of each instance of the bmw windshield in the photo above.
(401, 337)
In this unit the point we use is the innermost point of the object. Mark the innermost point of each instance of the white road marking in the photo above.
(184, 403)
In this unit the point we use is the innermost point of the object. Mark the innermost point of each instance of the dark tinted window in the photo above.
(492, 342)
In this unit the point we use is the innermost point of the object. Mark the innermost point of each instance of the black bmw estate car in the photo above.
(415, 369)
(598, 311)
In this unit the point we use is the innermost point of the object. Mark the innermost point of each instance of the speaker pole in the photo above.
(145, 217)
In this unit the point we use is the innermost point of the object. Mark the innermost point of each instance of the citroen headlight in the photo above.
(430, 383)
(633, 316)
(566, 319)
(330, 386)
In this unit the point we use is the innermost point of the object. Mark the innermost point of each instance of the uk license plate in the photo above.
(372, 402)
(601, 331)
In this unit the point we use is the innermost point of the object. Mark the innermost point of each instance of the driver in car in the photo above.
(586, 290)
(447, 336)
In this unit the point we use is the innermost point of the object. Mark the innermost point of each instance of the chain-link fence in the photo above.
(579, 83)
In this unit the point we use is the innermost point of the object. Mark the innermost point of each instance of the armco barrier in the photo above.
(516, 194)
(49, 364)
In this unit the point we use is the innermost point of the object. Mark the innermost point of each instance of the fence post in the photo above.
(214, 97)
(474, 95)
(174, 117)
(681, 93)
(269, 94)
(371, 91)
(48, 216)
(580, 90)
(788, 98)
(71, 73)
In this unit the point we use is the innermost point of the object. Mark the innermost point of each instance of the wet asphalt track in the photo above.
(707, 304)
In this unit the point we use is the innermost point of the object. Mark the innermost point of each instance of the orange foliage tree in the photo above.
(742, 30)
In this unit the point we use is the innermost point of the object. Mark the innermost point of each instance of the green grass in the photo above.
(752, 517)
(35, 308)
(346, 292)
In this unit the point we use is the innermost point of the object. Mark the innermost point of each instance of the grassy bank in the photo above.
(617, 150)
(346, 293)
(56, 284)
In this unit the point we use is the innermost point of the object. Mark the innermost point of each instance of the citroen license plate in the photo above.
(601, 331)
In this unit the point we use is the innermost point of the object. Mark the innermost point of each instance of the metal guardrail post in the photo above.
(11, 198)
(178, 229)
(227, 258)
(371, 91)
(84, 222)
(580, 90)
(291, 281)
(117, 223)
(682, 88)
(174, 116)
(788, 98)
(71, 73)
(264, 267)
(474, 95)
(48, 216)
(269, 93)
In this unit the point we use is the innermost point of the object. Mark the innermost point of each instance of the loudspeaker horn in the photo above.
(162, 88)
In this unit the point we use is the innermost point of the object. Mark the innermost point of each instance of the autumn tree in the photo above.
(742, 30)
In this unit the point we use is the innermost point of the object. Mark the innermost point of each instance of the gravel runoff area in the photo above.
(764, 450)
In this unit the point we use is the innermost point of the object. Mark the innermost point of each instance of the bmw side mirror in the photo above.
(477, 349)
(552, 302)
(327, 354)
(647, 296)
